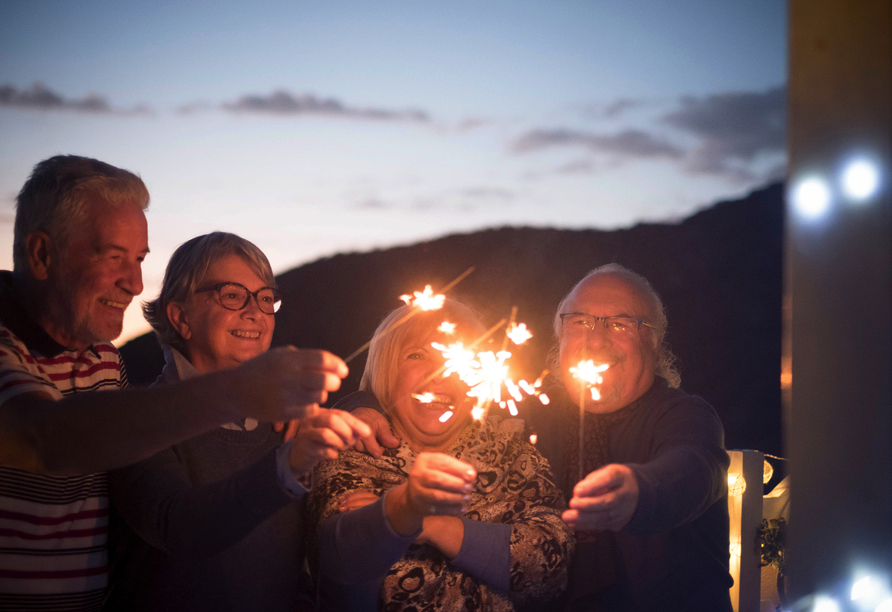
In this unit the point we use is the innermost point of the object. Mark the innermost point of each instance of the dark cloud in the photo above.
(284, 103)
(194, 107)
(631, 143)
(40, 97)
(735, 128)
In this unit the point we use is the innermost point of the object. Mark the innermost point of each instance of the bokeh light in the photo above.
(811, 197)
(860, 179)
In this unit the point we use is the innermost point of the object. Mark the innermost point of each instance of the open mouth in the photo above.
(113, 304)
(439, 399)
(249, 335)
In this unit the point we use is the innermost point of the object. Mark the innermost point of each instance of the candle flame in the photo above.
(425, 300)
(518, 333)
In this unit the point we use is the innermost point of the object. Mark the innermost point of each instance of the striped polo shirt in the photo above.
(53, 529)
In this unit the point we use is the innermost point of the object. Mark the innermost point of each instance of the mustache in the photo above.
(612, 357)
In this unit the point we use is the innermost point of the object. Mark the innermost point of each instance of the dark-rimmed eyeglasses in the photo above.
(579, 322)
(234, 296)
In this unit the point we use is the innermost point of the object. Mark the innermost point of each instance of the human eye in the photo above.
(622, 324)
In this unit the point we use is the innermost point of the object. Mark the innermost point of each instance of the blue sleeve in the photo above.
(158, 502)
(486, 552)
(689, 471)
(360, 545)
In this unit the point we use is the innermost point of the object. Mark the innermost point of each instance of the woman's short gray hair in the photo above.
(665, 360)
(53, 199)
(187, 269)
(398, 329)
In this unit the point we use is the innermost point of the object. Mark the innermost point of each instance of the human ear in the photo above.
(37, 245)
(177, 316)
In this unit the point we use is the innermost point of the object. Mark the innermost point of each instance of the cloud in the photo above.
(40, 97)
(491, 193)
(283, 103)
(372, 204)
(611, 110)
(631, 143)
(735, 129)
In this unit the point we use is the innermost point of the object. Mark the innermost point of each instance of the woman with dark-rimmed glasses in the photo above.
(215, 522)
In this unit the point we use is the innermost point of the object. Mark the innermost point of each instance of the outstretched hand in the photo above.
(381, 434)
(283, 383)
(322, 435)
(605, 499)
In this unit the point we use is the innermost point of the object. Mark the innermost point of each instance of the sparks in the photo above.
(518, 333)
(544, 399)
(446, 416)
(425, 300)
(425, 398)
(588, 372)
(533, 439)
(446, 328)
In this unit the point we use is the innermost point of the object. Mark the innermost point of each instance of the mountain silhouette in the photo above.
(719, 273)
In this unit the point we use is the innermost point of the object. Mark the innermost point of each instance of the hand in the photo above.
(283, 383)
(290, 431)
(445, 533)
(381, 433)
(605, 499)
(321, 436)
(357, 500)
(437, 484)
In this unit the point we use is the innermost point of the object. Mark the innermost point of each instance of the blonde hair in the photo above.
(398, 330)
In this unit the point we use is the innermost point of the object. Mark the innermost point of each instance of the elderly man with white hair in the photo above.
(651, 512)
(79, 242)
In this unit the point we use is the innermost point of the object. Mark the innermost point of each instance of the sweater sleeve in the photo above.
(360, 545)
(157, 501)
(485, 552)
(688, 472)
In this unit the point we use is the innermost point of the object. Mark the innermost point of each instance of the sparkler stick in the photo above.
(413, 311)
(589, 375)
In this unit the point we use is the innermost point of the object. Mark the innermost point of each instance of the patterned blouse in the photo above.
(514, 486)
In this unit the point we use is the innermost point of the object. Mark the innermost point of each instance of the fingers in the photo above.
(440, 484)
(311, 359)
(450, 465)
(356, 500)
(600, 481)
(293, 426)
(380, 432)
(343, 424)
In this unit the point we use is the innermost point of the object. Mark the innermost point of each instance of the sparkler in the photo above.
(589, 375)
(422, 301)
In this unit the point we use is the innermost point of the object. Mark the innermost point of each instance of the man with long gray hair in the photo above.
(80, 239)
(651, 509)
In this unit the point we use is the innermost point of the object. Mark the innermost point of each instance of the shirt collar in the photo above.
(17, 320)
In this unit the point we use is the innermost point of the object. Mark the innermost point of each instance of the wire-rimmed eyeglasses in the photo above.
(579, 322)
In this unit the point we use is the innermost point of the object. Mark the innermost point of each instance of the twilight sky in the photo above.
(325, 127)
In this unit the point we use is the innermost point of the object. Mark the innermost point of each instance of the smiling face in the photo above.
(97, 275)
(631, 355)
(218, 338)
(419, 422)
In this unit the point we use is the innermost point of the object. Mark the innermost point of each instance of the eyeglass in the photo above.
(234, 296)
(579, 322)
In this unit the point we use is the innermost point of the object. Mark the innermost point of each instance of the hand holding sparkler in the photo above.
(605, 499)
(437, 484)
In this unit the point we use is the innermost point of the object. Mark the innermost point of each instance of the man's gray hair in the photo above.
(54, 199)
(187, 269)
(656, 316)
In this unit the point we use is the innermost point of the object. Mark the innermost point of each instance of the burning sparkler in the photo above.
(589, 375)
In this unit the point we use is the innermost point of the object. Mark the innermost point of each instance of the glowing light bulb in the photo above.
(885, 606)
(860, 179)
(811, 197)
(825, 604)
(767, 472)
(736, 484)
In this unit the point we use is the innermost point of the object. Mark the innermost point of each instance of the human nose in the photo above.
(597, 335)
(131, 280)
(252, 306)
